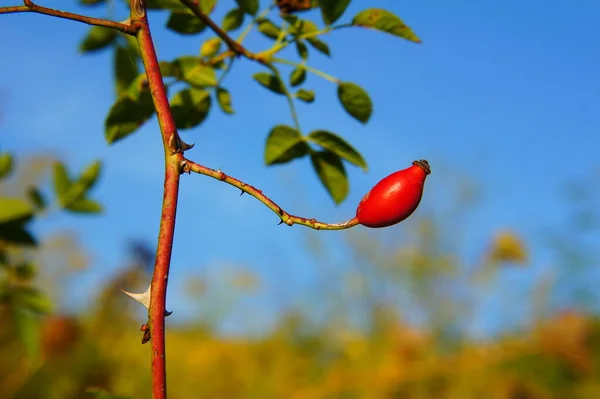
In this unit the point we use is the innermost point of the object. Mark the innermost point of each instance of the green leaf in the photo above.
(91, 2)
(284, 143)
(126, 69)
(207, 6)
(14, 209)
(302, 49)
(248, 6)
(15, 233)
(60, 179)
(224, 100)
(36, 198)
(168, 68)
(210, 47)
(319, 45)
(132, 44)
(268, 28)
(6, 164)
(32, 300)
(27, 326)
(270, 81)
(355, 101)
(290, 18)
(385, 21)
(303, 26)
(97, 39)
(190, 107)
(233, 20)
(89, 176)
(127, 114)
(332, 10)
(334, 143)
(297, 77)
(164, 5)
(84, 205)
(185, 22)
(195, 72)
(331, 173)
(308, 96)
(78, 189)
(25, 271)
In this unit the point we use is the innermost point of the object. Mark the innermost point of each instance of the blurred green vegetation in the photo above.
(353, 339)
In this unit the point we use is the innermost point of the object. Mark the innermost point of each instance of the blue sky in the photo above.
(505, 94)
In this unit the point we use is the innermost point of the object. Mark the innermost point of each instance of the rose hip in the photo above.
(394, 198)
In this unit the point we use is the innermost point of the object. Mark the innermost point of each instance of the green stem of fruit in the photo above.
(308, 68)
(290, 220)
(173, 158)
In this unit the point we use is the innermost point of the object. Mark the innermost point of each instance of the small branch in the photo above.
(234, 46)
(32, 7)
(308, 68)
(290, 220)
(278, 47)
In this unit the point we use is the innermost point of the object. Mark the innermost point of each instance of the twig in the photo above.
(32, 7)
(280, 46)
(308, 68)
(234, 46)
(288, 96)
(173, 156)
(190, 166)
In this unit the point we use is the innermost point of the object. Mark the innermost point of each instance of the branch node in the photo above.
(184, 167)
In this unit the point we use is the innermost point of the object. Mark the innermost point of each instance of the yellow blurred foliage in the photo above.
(507, 247)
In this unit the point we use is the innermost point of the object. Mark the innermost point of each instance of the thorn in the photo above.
(280, 222)
(242, 192)
(185, 146)
(143, 298)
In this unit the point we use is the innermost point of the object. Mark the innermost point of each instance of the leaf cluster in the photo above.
(197, 81)
(18, 267)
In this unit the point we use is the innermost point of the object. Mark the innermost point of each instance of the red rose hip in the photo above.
(394, 198)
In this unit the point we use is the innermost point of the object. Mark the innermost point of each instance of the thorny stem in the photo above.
(32, 7)
(173, 156)
(308, 68)
(190, 166)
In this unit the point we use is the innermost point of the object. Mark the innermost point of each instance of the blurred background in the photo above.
(488, 289)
